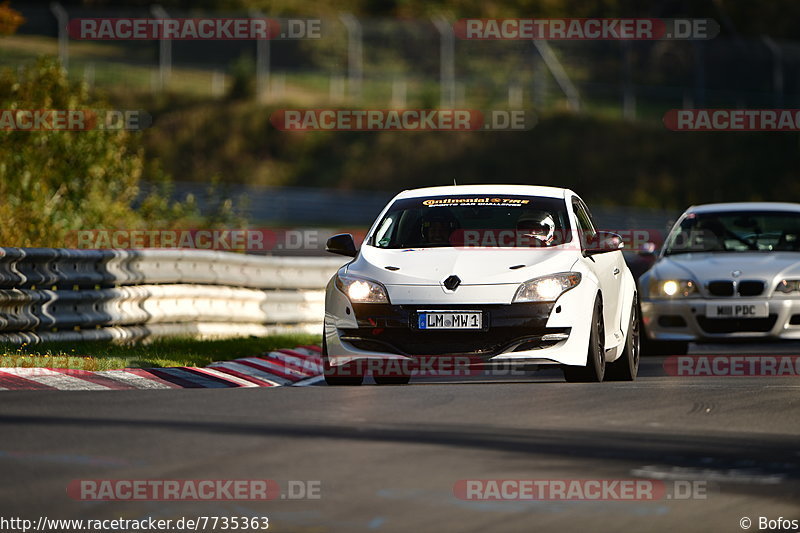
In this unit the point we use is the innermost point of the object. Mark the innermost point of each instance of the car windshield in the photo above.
(473, 220)
(768, 231)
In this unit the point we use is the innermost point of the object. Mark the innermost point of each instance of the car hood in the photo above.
(703, 267)
(484, 266)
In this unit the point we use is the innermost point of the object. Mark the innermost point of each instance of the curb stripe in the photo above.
(304, 366)
(14, 382)
(94, 377)
(299, 354)
(149, 375)
(206, 380)
(134, 380)
(233, 381)
(256, 373)
(49, 377)
(273, 367)
(178, 377)
(257, 382)
(301, 366)
(312, 348)
(310, 381)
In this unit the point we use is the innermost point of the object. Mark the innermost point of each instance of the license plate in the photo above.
(452, 320)
(738, 310)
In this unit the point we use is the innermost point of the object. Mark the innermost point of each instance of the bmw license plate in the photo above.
(738, 310)
(450, 320)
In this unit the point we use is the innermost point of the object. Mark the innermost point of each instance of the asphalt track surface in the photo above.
(388, 458)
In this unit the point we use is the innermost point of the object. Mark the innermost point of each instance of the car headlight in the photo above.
(788, 286)
(362, 290)
(672, 288)
(547, 288)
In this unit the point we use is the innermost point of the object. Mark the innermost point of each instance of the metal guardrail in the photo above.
(51, 294)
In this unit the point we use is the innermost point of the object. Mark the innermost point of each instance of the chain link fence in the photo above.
(388, 62)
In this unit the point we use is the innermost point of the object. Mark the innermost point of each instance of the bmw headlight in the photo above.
(788, 286)
(547, 288)
(672, 288)
(362, 290)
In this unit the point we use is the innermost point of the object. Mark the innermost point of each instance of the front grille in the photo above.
(750, 287)
(409, 342)
(737, 325)
(720, 288)
(795, 320)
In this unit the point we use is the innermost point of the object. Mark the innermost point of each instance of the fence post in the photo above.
(63, 37)
(399, 92)
(559, 74)
(262, 63)
(164, 50)
(355, 59)
(447, 80)
(699, 73)
(539, 83)
(217, 83)
(628, 96)
(515, 95)
(777, 70)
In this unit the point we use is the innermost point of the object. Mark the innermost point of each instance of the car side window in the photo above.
(585, 226)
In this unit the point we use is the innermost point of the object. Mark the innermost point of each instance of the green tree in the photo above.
(55, 182)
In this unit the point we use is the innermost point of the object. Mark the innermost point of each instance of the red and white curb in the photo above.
(298, 367)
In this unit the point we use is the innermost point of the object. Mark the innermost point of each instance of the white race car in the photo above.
(504, 274)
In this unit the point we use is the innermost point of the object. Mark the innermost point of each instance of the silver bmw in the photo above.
(726, 271)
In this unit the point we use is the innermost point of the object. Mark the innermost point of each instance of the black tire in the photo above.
(391, 380)
(627, 366)
(595, 368)
(338, 376)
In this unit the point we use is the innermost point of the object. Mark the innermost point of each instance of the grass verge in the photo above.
(159, 353)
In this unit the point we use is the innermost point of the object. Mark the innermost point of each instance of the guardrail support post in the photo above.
(355, 59)
(63, 37)
(164, 50)
(447, 76)
(262, 63)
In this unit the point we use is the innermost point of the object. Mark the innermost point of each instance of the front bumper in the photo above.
(685, 320)
(506, 328)
(513, 333)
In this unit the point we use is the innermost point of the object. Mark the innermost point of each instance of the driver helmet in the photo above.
(442, 220)
(537, 224)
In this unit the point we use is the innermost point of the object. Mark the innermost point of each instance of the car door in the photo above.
(608, 267)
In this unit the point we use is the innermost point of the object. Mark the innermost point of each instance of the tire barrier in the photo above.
(51, 294)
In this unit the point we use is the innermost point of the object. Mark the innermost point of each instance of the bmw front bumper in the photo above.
(686, 320)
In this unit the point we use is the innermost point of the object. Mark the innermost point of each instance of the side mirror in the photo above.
(342, 244)
(604, 241)
(648, 249)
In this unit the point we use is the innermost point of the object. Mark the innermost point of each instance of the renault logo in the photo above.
(452, 282)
